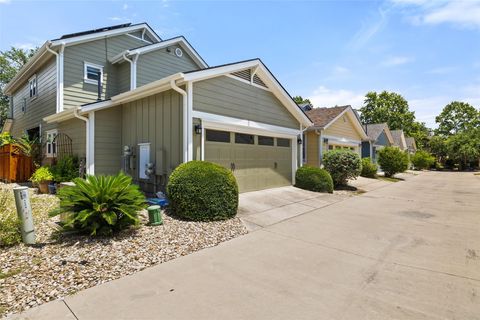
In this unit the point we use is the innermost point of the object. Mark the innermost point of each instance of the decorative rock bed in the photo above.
(60, 265)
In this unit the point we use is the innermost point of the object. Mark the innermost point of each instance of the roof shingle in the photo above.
(323, 116)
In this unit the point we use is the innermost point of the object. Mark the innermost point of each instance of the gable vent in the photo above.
(246, 75)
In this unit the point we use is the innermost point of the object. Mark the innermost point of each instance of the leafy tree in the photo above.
(10, 62)
(457, 117)
(300, 100)
(438, 147)
(464, 148)
(421, 133)
(389, 107)
(422, 160)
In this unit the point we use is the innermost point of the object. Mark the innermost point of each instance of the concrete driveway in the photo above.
(410, 250)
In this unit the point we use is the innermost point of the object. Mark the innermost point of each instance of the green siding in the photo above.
(41, 106)
(76, 91)
(75, 130)
(123, 77)
(159, 64)
(229, 97)
(158, 120)
(108, 141)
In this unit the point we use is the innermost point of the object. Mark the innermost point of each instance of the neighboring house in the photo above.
(411, 145)
(333, 128)
(305, 106)
(379, 137)
(160, 105)
(399, 139)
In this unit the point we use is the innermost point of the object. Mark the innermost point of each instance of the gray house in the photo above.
(379, 137)
(128, 100)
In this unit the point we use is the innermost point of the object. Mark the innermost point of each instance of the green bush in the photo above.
(422, 160)
(41, 174)
(202, 191)
(100, 205)
(342, 165)
(369, 169)
(6, 138)
(392, 160)
(66, 169)
(313, 179)
(9, 222)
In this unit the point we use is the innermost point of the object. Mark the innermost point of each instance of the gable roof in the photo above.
(119, 58)
(44, 53)
(198, 75)
(321, 117)
(399, 139)
(374, 130)
(411, 143)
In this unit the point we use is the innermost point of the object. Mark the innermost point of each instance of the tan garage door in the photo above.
(258, 162)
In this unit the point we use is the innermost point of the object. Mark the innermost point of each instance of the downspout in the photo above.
(320, 146)
(133, 70)
(87, 139)
(184, 118)
(59, 65)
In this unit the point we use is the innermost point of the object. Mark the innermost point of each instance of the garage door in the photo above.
(258, 162)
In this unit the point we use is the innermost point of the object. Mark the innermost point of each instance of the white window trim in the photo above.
(93, 65)
(47, 133)
(33, 78)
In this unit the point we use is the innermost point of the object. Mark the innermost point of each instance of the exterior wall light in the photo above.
(198, 129)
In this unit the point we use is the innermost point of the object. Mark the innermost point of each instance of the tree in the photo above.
(392, 160)
(300, 100)
(389, 107)
(464, 148)
(421, 133)
(438, 147)
(10, 62)
(457, 117)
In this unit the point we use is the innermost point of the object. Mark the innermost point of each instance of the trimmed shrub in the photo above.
(9, 222)
(392, 160)
(422, 160)
(342, 165)
(313, 179)
(202, 191)
(100, 205)
(369, 169)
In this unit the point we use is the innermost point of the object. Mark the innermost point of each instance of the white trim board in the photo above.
(214, 121)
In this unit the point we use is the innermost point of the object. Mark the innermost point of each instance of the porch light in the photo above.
(198, 129)
(299, 140)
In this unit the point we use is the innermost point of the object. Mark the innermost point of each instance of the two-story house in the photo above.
(125, 99)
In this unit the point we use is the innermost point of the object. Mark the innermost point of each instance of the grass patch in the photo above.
(10, 273)
(389, 179)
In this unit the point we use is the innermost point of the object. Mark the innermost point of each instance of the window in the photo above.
(243, 138)
(265, 141)
(24, 105)
(51, 143)
(330, 147)
(283, 142)
(32, 85)
(92, 72)
(217, 136)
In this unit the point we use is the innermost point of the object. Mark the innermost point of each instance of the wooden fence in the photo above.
(14, 165)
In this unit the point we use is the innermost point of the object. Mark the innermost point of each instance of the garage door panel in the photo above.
(256, 166)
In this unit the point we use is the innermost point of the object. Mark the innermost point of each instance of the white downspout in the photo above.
(133, 70)
(87, 139)
(59, 67)
(184, 118)
(189, 121)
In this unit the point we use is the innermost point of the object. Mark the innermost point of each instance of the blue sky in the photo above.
(332, 52)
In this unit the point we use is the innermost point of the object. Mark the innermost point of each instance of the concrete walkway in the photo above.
(410, 250)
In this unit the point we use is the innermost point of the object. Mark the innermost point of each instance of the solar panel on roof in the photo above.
(82, 33)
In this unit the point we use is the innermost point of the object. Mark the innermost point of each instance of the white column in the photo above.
(202, 150)
(294, 158)
(320, 149)
(189, 121)
(133, 72)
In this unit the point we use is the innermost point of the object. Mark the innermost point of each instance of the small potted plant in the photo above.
(42, 177)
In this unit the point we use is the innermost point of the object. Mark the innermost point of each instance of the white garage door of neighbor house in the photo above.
(258, 162)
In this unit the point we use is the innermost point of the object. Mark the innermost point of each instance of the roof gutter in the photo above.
(184, 118)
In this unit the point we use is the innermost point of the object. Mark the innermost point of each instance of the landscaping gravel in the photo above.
(60, 265)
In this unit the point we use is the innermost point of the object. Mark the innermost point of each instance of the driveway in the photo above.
(409, 250)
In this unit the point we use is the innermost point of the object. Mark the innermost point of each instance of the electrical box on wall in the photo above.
(143, 160)
(160, 162)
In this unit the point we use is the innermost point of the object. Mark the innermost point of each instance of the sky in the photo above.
(332, 52)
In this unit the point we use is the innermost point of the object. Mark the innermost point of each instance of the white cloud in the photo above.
(115, 18)
(324, 97)
(368, 31)
(4, 1)
(460, 13)
(396, 61)
(125, 6)
(25, 46)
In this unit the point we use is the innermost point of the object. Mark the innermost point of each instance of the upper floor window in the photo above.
(32, 85)
(92, 72)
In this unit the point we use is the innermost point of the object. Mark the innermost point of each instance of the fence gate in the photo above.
(14, 165)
